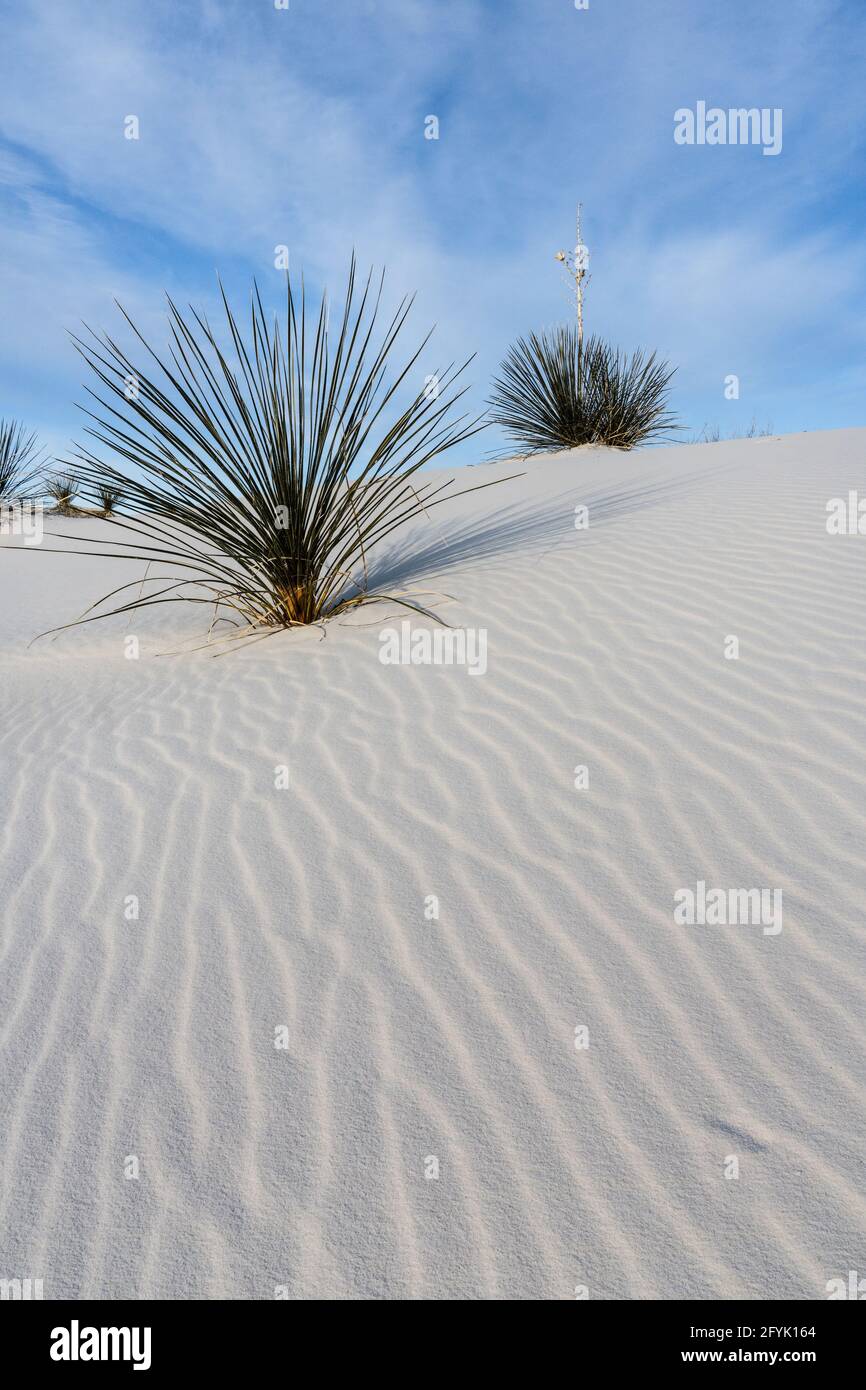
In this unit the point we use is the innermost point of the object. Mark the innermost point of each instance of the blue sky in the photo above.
(261, 127)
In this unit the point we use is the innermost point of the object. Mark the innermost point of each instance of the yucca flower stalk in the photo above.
(263, 471)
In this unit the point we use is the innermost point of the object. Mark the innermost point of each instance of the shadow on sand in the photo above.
(522, 528)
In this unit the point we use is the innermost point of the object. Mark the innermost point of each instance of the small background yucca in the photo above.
(108, 498)
(262, 470)
(62, 488)
(554, 392)
(18, 461)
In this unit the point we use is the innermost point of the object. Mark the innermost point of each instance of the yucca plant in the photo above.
(555, 392)
(108, 498)
(62, 488)
(18, 461)
(263, 471)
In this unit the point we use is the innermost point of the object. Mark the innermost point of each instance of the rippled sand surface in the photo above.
(329, 1091)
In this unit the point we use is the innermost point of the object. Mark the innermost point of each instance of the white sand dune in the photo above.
(303, 1168)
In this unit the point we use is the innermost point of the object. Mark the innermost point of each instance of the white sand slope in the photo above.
(303, 1167)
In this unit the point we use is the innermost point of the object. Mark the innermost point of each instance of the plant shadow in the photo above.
(521, 528)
